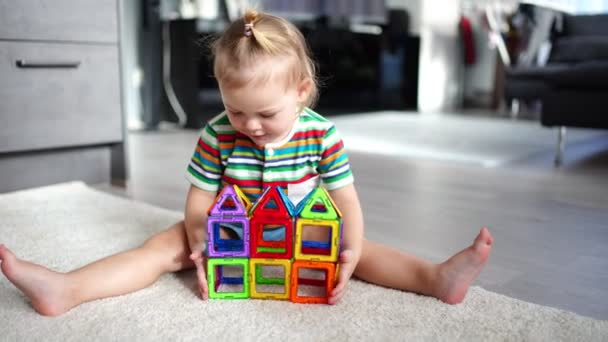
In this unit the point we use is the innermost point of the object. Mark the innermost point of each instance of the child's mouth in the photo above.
(259, 138)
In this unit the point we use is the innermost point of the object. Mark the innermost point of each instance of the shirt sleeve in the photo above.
(205, 168)
(334, 167)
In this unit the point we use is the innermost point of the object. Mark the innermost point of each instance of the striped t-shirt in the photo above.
(313, 151)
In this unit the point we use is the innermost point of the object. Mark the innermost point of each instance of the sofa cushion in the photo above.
(537, 73)
(588, 75)
(583, 25)
(573, 108)
(579, 49)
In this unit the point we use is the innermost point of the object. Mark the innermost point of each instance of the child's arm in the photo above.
(197, 203)
(347, 200)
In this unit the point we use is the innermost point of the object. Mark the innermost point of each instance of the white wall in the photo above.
(440, 73)
(443, 80)
(440, 79)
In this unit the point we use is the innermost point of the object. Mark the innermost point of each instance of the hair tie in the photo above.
(248, 27)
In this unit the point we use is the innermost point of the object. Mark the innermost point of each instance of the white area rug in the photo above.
(487, 142)
(68, 225)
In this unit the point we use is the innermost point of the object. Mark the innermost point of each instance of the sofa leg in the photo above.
(561, 145)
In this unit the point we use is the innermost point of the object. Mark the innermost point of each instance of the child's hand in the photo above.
(347, 267)
(201, 274)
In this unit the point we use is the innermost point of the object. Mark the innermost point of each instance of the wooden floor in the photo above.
(550, 226)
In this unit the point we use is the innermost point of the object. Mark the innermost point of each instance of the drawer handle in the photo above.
(22, 63)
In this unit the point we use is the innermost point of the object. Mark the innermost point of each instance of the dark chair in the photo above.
(573, 85)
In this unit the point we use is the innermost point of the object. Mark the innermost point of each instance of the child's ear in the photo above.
(304, 89)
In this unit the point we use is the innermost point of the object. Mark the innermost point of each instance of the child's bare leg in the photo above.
(448, 281)
(53, 293)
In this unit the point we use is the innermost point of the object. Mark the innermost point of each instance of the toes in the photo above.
(5, 253)
(484, 237)
(487, 236)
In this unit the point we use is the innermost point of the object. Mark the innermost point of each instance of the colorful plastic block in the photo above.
(259, 248)
(218, 247)
(230, 209)
(272, 203)
(257, 278)
(327, 283)
(318, 205)
(230, 202)
(253, 254)
(316, 251)
(216, 277)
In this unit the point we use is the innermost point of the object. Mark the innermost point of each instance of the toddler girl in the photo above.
(267, 136)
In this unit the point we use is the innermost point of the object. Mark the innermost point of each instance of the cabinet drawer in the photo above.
(61, 95)
(59, 20)
(27, 170)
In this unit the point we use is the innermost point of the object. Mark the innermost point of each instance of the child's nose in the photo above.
(252, 125)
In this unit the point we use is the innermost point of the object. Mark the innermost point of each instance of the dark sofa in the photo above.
(573, 85)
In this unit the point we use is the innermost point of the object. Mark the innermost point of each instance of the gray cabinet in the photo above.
(91, 21)
(60, 99)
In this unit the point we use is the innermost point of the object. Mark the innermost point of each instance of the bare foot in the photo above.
(457, 273)
(45, 288)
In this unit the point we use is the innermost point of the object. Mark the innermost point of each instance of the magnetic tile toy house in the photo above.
(272, 249)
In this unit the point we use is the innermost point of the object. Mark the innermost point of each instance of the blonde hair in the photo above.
(240, 49)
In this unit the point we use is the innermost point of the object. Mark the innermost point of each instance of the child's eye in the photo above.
(233, 113)
(268, 115)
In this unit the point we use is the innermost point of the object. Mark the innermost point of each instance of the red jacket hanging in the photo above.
(468, 42)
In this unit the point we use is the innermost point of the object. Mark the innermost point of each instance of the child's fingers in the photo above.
(339, 287)
(336, 296)
(196, 255)
(342, 281)
(346, 256)
(343, 277)
(338, 292)
(199, 261)
(202, 284)
(204, 290)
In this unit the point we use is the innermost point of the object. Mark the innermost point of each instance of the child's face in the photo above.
(264, 112)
